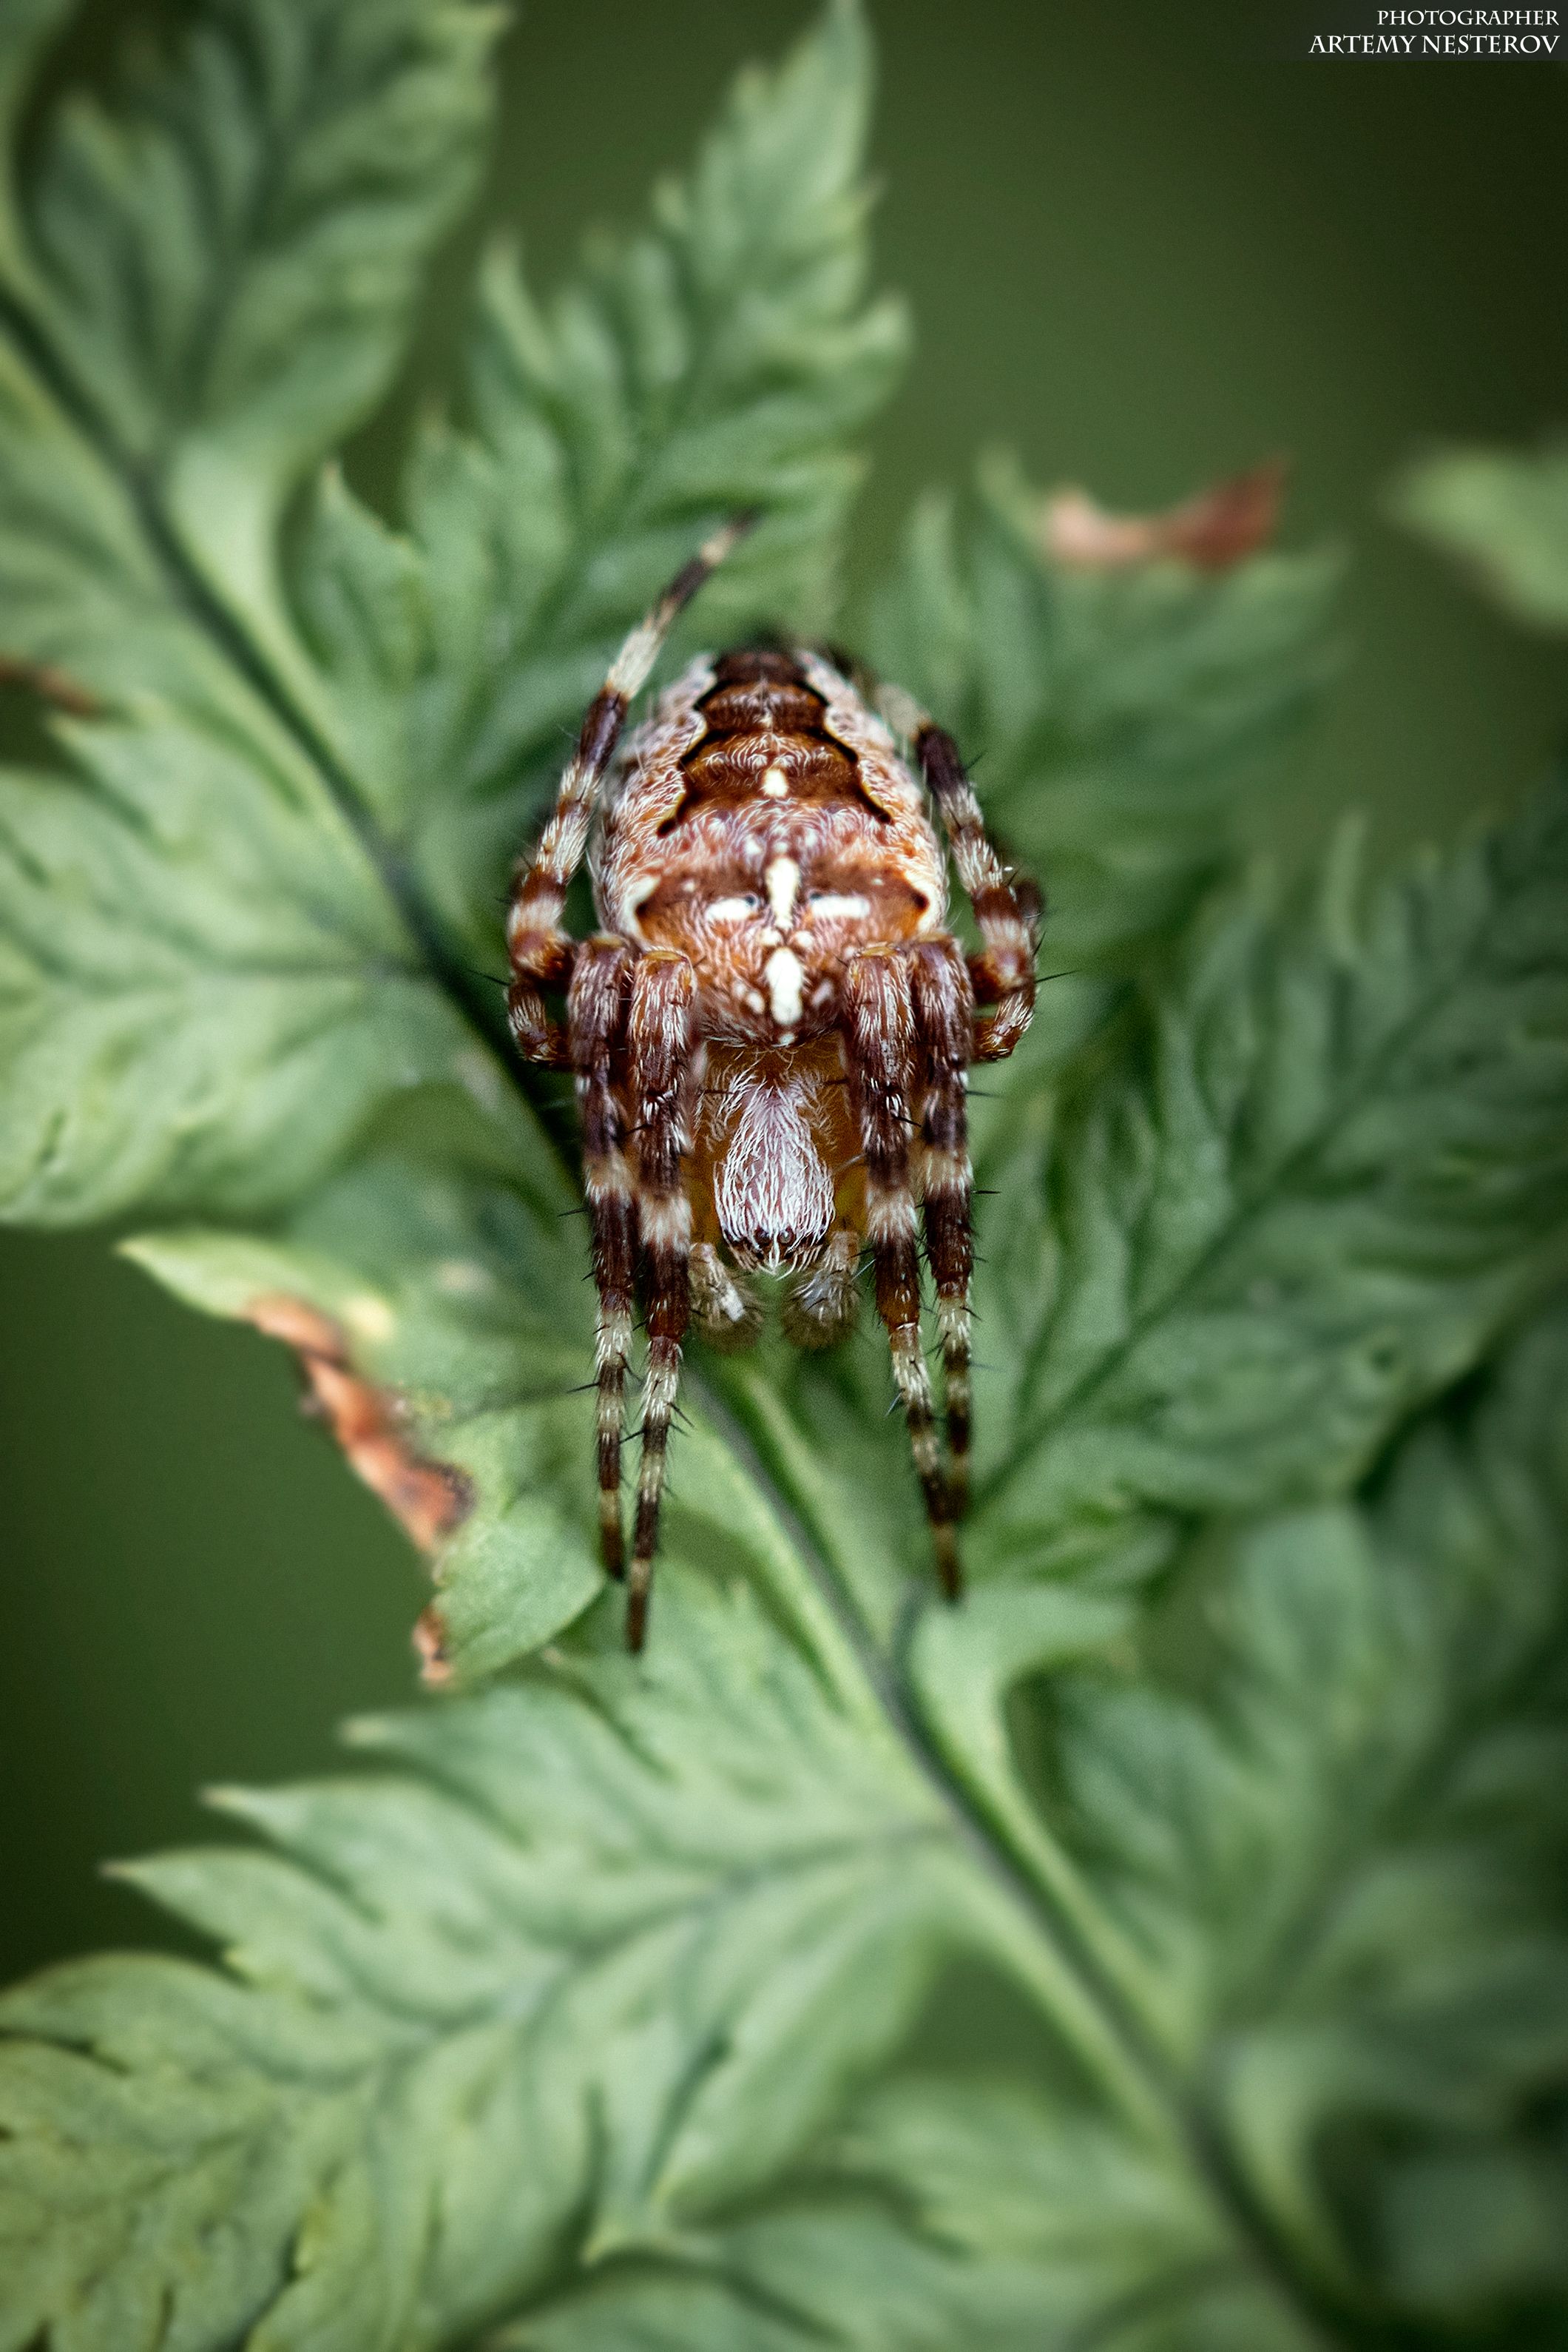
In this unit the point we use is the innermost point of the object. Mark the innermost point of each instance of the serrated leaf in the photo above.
(728, 357)
(205, 990)
(1342, 1854)
(232, 1057)
(951, 2215)
(456, 1304)
(553, 2019)
(224, 261)
(595, 1951)
(1337, 1165)
(1115, 718)
(1503, 514)
(211, 978)
(209, 284)
(1331, 1826)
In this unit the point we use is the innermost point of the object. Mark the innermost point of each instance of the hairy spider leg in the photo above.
(943, 1008)
(541, 952)
(662, 1081)
(1007, 906)
(880, 1057)
(596, 1027)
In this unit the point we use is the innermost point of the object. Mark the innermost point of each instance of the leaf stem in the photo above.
(1021, 1930)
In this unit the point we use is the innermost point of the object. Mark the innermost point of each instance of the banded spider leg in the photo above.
(597, 979)
(881, 1060)
(1007, 911)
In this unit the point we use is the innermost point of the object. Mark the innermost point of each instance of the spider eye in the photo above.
(734, 910)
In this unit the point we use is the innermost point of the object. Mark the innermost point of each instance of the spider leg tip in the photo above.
(949, 1567)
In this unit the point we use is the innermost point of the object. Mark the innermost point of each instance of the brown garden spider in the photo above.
(772, 1032)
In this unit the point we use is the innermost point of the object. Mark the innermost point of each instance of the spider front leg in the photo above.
(540, 950)
(596, 1029)
(1007, 906)
(942, 1004)
(880, 1059)
(662, 1089)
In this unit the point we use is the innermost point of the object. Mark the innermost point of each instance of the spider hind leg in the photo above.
(663, 1085)
(596, 1026)
(880, 1053)
(943, 1006)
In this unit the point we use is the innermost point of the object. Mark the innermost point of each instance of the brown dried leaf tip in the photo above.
(429, 1499)
(50, 685)
(430, 1648)
(1218, 528)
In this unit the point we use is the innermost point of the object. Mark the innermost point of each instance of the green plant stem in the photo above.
(1002, 1806)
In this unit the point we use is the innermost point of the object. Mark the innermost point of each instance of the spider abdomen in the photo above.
(774, 1190)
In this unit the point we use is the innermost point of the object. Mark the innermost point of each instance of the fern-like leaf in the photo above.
(1503, 513)
(1334, 1164)
(1115, 716)
(586, 2015)
(1333, 1840)
(603, 1947)
(727, 358)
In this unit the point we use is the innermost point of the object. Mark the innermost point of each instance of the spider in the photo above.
(772, 1032)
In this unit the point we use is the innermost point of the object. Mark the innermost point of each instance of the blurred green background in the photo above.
(1142, 250)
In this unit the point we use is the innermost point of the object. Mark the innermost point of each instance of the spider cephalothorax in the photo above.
(773, 1030)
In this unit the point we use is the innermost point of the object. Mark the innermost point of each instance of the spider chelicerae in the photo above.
(772, 1032)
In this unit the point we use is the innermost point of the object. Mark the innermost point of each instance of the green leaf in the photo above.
(209, 284)
(213, 975)
(1335, 1165)
(455, 1303)
(583, 1956)
(1503, 514)
(1343, 1855)
(951, 2214)
(1115, 718)
(566, 2018)
(367, 616)
(223, 264)
(224, 964)
(1329, 1814)
(205, 990)
(727, 357)
(25, 31)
